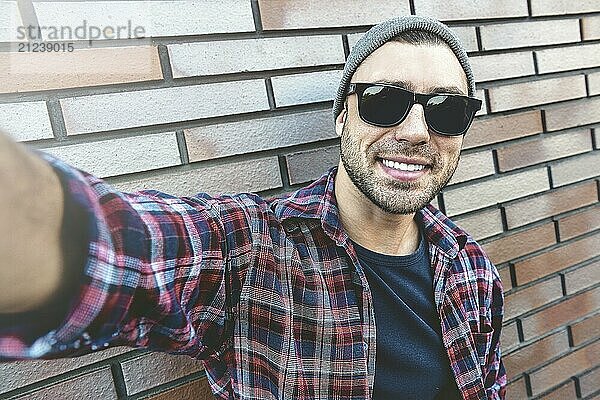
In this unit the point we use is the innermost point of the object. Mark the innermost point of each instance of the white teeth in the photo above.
(402, 166)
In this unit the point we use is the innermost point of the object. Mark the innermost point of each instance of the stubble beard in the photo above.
(390, 195)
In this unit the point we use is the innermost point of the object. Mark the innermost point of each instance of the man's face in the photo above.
(371, 155)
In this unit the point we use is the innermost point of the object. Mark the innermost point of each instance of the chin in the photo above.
(397, 201)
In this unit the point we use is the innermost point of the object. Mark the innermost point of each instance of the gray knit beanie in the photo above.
(378, 35)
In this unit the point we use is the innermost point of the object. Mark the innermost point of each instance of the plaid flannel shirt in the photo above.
(269, 294)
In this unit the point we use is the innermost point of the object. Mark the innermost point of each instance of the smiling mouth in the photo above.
(401, 166)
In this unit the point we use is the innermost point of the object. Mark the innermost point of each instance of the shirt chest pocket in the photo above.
(326, 316)
(326, 312)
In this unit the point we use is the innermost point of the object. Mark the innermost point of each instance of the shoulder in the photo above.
(473, 254)
(473, 259)
(474, 251)
(489, 285)
(464, 249)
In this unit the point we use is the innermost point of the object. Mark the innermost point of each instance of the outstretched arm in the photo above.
(156, 271)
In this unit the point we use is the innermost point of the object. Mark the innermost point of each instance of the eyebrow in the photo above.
(434, 89)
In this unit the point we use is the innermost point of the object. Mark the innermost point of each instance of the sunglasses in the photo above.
(388, 105)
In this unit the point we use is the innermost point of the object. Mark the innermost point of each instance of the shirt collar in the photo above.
(317, 201)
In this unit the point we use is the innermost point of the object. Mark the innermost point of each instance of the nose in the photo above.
(414, 127)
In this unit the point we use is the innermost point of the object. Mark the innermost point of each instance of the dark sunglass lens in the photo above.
(382, 105)
(448, 115)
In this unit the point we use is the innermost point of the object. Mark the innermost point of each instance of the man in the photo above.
(353, 287)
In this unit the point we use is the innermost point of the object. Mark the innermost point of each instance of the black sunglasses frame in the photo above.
(473, 105)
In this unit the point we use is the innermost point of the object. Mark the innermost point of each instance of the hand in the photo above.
(31, 208)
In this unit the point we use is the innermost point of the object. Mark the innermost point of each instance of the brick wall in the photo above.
(236, 96)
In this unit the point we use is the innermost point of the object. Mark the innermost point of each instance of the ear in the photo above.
(340, 120)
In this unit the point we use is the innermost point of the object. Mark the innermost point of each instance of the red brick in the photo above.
(243, 176)
(590, 28)
(589, 382)
(518, 244)
(532, 297)
(490, 192)
(502, 66)
(594, 87)
(136, 108)
(573, 113)
(557, 259)
(223, 139)
(586, 330)
(198, 389)
(560, 7)
(158, 18)
(24, 72)
(467, 36)
(308, 165)
(95, 385)
(546, 205)
(564, 368)
(499, 129)
(575, 169)
(154, 369)
(583, 277)
(579, 223)
(482, 224)
(465, 9)
(536, 354)
(26, 121)
(560, 314)
(544, 91)
(509, 339)
(516, 390)
(505, 278)
(122, 155)
(310, 87)
(22, 373)
(473, 166)
(568, 58)
(543, 148)
(481, 94)
(262, 54)
(529, 33)
(292, 14)
(566, 391)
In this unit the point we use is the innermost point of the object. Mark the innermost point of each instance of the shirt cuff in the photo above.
(59, 326)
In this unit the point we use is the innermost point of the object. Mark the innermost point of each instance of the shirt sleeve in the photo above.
(155, 272)
(33, 324)
(494, 372)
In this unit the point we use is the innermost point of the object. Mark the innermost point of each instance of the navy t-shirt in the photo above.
(411, 362)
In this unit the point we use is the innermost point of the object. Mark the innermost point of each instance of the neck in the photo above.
(370, 226)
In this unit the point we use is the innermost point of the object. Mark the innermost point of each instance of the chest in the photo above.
(305, 323)
(304, 319)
